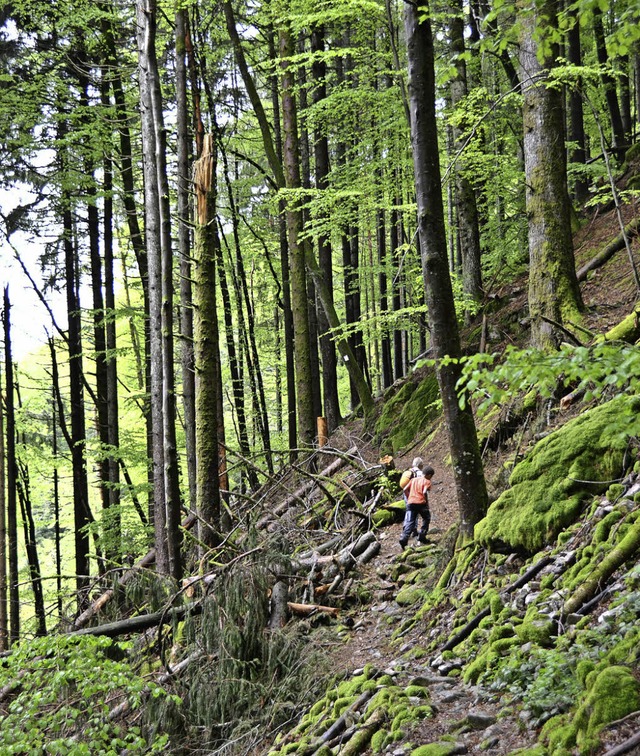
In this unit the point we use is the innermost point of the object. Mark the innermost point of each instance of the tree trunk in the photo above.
(12, 476)
(465, 456)
(554, 294)
(4, 627)
(78, 432)
(184, 250)
(466, 207)
(609, 86)
(166, 513)
(321, 154)
(205, 329)
(302, 347)
(576, 115)
(114, 523)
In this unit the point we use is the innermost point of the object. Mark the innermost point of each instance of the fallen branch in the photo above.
(139, 623)
(340, 724)
(613, 560)
(475, 621)
(631, 230)
(298, 495)
(147, 560)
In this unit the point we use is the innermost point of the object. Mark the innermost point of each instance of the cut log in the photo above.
(279, 605)
(307, 609)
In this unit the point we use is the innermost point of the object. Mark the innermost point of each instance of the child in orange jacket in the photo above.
(417, 498)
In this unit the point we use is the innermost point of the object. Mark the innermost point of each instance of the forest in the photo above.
(255, 257)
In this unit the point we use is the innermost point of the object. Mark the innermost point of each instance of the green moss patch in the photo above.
(409, 412)
(549, 486)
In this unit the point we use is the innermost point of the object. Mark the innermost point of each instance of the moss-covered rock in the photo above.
(549, 486)
(613, 693)
(409, 412)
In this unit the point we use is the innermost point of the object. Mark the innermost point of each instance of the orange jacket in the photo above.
(417, 490)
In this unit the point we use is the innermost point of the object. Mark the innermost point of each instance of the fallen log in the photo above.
(631, 230)
(307, 609)
(139, 623)
(298, 494)
(612, 561)
(147, 560)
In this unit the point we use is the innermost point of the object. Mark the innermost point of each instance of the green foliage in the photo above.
(597, 370)
(65, 689)
(251, 681)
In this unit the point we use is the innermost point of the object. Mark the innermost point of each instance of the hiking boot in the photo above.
(422, 538)
(403, 543)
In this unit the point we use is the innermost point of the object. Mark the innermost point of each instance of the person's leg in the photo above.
(426, 520)
(408, 527)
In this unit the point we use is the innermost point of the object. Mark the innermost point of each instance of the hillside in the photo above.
(520, 659)
(523, 641)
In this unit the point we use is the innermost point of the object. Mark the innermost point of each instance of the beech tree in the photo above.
(465, 455)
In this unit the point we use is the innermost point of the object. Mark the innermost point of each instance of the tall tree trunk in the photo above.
(184, 250)
(465, 455)
(78, 438)
(114, 524)
(302, 347)
(55, 389)
(4, 625)
(325, 261)
(609, 86)
(12, 477)
(554, 294)
(158, 245)
(158, 513)
(467, 210)
(31, 548)
(576, 115)
(205, 329)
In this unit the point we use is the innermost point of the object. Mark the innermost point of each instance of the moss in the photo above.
(614, 492)
(410, 411)
(548, 488)
(388, 514)
(380, 741)
(614, 692)
(504, 644)
(410, 595)
(435, 749)
(536, 628)
(558, 734)
(417, 690)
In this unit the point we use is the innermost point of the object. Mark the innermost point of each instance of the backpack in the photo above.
(406, 477)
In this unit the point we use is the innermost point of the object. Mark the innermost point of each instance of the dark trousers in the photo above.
(411, 521)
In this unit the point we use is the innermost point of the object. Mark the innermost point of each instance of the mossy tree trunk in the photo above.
(206, 351)
(299, 301)
(554, 294)
(467, 465)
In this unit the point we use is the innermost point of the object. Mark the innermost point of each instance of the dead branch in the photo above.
(298, 495)
(630, 230)
(104, 598)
